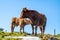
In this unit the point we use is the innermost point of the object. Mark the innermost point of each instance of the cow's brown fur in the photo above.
(37, 19)
(21, 22)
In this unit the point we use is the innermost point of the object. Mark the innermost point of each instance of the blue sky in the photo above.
(13, 8)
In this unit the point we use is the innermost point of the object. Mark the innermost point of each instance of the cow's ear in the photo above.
(24, 9)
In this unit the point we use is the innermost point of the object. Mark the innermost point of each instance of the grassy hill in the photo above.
(4, 34)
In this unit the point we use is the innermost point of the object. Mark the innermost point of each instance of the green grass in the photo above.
(3, 34)
(10, 39)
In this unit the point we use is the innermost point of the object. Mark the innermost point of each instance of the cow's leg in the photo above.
(44, 28)
(20, 29)
(12, 28)
(32, 29)
(36, 30)
(42, 31)
(23, 29)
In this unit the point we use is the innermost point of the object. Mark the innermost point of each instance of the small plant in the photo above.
(46, 37)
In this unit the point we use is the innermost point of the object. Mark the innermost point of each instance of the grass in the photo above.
(3, 34)
(10, 39)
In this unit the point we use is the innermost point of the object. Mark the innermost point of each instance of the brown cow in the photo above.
(19, 22)
(37, 19)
